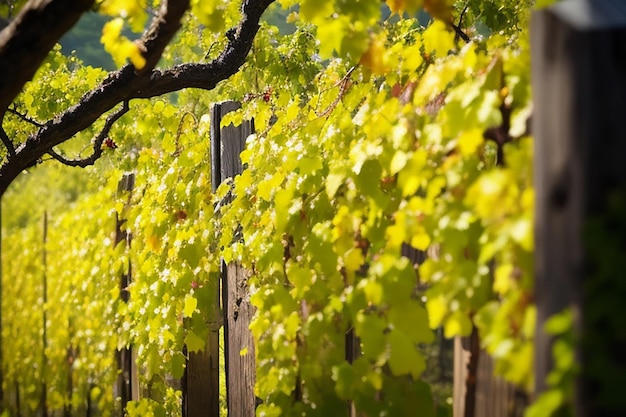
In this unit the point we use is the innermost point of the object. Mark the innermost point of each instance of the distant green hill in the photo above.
(84, 39)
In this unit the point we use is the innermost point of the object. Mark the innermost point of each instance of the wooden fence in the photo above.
(491, 396)
(200, 383)
(579, 79)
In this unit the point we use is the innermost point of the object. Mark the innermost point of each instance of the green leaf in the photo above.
(177, 365)
(315, 11)
(404, 358)
(193, 342)
(345, 379)
(457, 324)
(370, 329)
(546, 404)
(412, 320)
(560, 323)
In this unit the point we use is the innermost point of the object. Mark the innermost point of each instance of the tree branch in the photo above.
(97, 142)
(24, 117)
(459, 32)
(458, 28)
(161, 31)
(7, 142)
(28, 39)
(126, 84)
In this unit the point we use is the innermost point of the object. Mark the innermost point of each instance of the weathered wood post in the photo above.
(127, 387)
(201, 396)
(226, 145)
(201, 380)
(492, 396)
(579, 83)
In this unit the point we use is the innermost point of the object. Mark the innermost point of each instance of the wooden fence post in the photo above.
(492, 396)
(201, 380)
(127, 387)
(226, 145)
(579, 83)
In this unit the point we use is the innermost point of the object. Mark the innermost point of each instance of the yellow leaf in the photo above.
(154, 242)
(373, 291)
(469, 141)
(190, 305)
(134, 54)
(315, 11)
(398, 162)
(269, 185)
(331, 34)
(133, 10)
(412, 56)
(333, 182)
(438, 39)
(409, 178)
(522, 232)
(437, 310)
(111, 31)
(210, 13)
(375, 379)
(528, 199)
(292, 17)
(502, 278)
(353, 259)
(396, 233)
(420, 240)
(435, 80)
(458, 324)
(158, 107)
(120, 47)
(194, 342)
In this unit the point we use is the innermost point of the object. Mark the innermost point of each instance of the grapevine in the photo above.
(374, 133)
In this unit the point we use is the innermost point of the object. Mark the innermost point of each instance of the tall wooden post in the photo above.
(226, 144)
(127, 388)
(201, 396)
(579, 84)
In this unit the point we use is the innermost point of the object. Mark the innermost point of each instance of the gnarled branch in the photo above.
(97, 142)
(126, 84)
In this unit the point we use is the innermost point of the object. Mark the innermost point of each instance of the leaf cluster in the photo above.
(373, 139)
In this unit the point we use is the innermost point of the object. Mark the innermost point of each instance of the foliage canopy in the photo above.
(378, 127)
